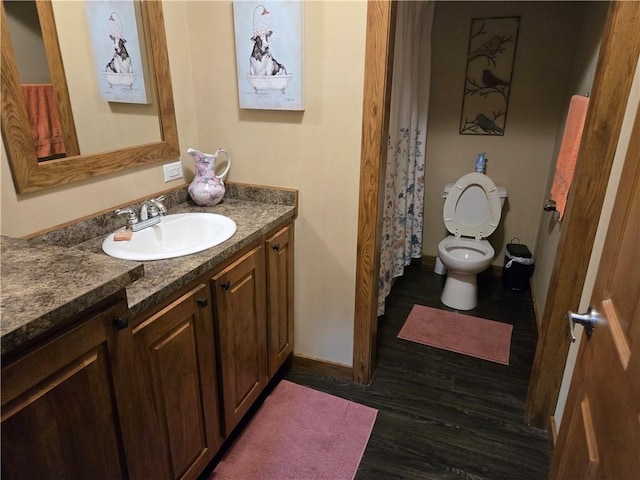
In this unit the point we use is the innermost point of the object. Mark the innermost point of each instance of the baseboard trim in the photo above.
(428, 260)
(323, 367)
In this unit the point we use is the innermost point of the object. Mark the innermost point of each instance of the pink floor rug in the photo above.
(459, 333)
(299, 434)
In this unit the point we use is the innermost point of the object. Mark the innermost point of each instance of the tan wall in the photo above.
(583, 63)
(316, 151)
(520, 159)
(100, 125)
(25, 214)
(598, 245)
(27, 43)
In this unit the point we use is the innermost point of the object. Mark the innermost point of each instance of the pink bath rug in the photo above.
(473, 336)
(300, 434)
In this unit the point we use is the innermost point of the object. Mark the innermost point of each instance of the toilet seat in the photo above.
(473, 207)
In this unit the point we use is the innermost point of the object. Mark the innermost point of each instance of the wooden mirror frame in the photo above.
(28, 174)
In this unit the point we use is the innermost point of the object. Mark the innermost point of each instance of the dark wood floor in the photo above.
(444, 415)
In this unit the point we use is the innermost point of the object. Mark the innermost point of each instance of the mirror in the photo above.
(42, 70)
(28, 173)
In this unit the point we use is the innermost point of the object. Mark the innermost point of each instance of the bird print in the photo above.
(491, 81)
(489, 49)
(486, 124)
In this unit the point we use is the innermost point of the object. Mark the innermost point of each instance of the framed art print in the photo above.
(487, 86)
(117, 52)
(269, 54)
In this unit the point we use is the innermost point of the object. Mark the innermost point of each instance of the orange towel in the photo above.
(40, 103)
(566, 163)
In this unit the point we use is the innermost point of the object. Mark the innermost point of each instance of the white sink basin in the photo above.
(175, 236)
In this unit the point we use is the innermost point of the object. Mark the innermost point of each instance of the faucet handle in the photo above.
(132, 218)
(162, 210)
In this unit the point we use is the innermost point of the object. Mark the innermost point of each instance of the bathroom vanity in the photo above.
(121, 369)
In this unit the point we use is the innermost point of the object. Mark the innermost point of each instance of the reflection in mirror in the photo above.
(42, 79)
(84, 34)
(28, 173)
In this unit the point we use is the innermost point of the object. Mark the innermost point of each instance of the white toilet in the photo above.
(472, 211)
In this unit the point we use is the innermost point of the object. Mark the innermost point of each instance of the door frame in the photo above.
(614, 73)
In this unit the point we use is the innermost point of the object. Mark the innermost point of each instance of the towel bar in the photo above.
(550, 205)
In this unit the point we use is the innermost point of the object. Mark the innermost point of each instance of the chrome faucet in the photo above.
(132, 218)
(151, 212)
(152, 208)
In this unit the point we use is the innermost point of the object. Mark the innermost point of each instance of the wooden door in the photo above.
(240, 313)
(178, 426)
(600, 432)
(59, 408)
(280, 297)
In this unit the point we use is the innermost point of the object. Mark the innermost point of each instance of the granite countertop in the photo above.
(47, 279)
(42, 285)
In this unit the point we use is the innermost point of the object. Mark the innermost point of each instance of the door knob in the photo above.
(587, 320)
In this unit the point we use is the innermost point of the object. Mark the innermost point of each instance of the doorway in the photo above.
(619, 51)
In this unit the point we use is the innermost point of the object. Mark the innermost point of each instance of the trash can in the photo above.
(518, 267)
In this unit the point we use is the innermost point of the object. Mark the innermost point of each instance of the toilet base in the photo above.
(460, 291)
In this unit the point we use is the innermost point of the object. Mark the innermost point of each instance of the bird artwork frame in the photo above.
(488, 76)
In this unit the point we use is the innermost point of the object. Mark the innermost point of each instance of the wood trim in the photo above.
(553, 430)
(30, 175)
(614, 74)
(375, 117)
(322, 367)
(536, 307)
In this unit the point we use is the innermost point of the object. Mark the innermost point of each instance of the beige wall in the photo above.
(27, 43)
(520, 159)
(25, 214)
(583, 66)
(316, 151)
(598, 245)
(100, 125)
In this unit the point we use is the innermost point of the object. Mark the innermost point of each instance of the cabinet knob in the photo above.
(226, 285)
(203, 302)
(276, 247)
(120, 323)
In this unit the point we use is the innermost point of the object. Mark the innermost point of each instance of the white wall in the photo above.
(520, 159)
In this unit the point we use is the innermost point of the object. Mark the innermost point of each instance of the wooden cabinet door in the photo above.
(240, 313)
(280, 297)
(178, 430)
(59, 413)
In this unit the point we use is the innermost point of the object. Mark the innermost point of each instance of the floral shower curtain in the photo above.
(404, 182)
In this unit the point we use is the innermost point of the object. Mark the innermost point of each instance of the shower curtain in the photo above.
(404, 181)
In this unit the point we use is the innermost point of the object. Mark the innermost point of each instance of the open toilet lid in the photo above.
(473, 207)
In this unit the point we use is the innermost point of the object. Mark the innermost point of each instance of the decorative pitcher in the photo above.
(207, 188)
